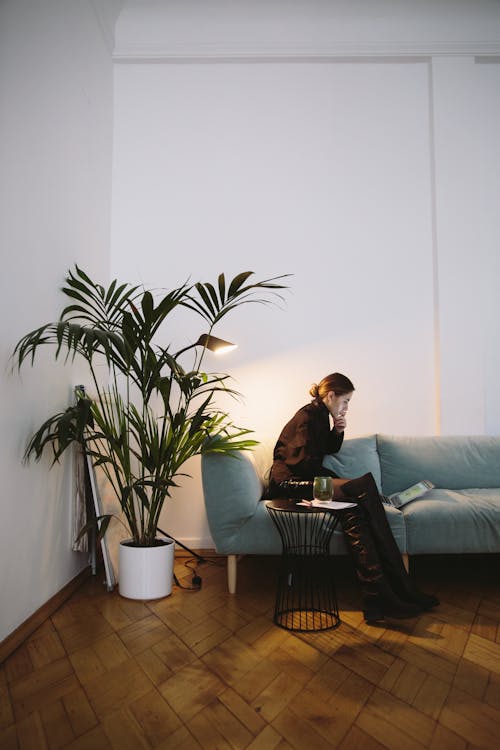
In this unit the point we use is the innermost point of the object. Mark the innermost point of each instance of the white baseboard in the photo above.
(197, 543)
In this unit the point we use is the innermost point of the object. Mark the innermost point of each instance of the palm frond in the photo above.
(213, 304)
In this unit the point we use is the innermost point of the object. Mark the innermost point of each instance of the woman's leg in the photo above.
(379, 599)
(364, 490)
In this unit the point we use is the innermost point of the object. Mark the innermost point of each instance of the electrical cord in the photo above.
(196, 580)
(196, 584)
(181, 544)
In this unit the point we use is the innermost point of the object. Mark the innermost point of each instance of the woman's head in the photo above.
(334, 391)
(336, 382)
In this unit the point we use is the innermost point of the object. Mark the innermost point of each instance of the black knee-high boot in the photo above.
(364, 491)
(379, 600)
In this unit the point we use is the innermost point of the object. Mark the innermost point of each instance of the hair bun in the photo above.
(313, 390)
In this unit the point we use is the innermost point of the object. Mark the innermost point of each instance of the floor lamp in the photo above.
(217, 346)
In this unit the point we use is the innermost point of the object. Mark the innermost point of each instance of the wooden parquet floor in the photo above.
(209, 670)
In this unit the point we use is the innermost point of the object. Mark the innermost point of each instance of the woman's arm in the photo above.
(335, 440)
(306, 442)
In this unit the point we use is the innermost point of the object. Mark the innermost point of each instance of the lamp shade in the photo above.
(215, 345)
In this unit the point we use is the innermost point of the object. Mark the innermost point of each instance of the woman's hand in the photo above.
(340, 423)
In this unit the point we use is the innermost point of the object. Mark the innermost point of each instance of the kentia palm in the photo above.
(151, 415)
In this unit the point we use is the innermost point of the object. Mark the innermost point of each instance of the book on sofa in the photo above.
(398, 499)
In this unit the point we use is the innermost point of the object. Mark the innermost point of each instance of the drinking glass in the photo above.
(323, 489)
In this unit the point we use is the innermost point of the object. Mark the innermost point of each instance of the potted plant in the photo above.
(148, 415)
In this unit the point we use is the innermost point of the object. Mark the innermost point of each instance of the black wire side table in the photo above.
(306, 598)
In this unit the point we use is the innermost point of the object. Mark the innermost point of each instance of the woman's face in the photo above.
(337, 405)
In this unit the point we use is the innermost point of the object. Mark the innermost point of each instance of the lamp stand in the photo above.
(188, 549)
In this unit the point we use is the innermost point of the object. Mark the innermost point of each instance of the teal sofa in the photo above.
(460, 515)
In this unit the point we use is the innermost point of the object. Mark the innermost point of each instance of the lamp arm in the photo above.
(185, 349)
(207, 341)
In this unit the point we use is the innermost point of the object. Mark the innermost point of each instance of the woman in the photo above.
(316, 430)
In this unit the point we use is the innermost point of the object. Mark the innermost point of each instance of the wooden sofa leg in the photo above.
(232, 569)
(406, 561)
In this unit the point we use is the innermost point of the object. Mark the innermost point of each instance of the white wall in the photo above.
(244, 139)
(55, 180)
(466, 122)
(300, 169)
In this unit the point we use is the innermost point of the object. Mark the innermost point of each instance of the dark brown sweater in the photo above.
(302, 445)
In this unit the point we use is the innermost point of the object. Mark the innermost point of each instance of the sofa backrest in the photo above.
(357, 456)
(450, 462)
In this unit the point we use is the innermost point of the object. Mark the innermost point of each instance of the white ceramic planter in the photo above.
(146, 572)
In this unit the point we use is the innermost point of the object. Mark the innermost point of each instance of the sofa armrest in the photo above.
(232, 489)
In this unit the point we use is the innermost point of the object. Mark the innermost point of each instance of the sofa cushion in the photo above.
(449, 462)
(453, 522)
(356, 457)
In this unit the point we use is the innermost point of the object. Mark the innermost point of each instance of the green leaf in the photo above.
(238, 282)
(200, 288)
(222, 287)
